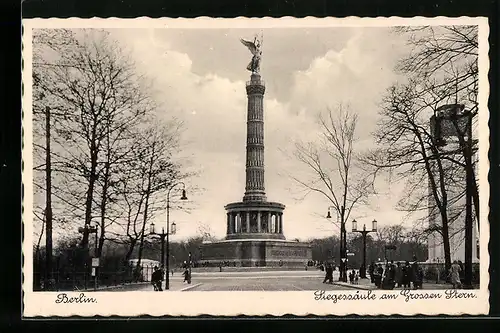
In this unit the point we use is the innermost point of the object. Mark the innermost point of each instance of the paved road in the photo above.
(264, 284)
(258, 281)
(262, 281)
(244, 281)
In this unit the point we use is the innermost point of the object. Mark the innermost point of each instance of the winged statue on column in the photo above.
(255, 49)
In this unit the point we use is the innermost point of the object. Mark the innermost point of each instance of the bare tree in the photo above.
(444, 60)
(409, 151)
(46, 41)
(142, 186)
(332, 168)
(97, 91)
(393, 234)
(441, 69)
(206, 232)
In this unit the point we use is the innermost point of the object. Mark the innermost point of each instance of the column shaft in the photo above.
(269, 216)
(248, 222)
(259, 227)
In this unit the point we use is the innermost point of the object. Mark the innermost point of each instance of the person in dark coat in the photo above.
(406, 275)
(398, 275)
(328, 274)
(379, 273)
(186, 275)
(156, 279)
(385, 276)
(351, 276)
(417, 274)
(390, 276)
(371, 270)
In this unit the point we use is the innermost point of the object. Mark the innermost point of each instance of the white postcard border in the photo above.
(250, 303)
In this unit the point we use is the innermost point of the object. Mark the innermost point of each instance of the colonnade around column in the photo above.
(254, 222)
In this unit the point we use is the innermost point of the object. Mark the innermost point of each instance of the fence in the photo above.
(80, 280)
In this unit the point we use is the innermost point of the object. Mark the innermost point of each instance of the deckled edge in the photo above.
(482, 23)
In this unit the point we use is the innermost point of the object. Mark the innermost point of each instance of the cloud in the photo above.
(213, 107)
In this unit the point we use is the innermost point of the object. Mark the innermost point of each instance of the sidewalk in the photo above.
(363, 284)
(175, 285)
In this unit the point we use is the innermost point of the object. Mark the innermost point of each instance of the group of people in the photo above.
(397, 275)
(353, 277)
(158, 274)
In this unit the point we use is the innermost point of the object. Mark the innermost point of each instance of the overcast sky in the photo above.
(200, 76)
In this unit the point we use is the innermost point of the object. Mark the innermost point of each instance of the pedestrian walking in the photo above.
(356, 278)
(455, 275)
(328, 274)
(462, 271)
(371, 270)
(390, 276)
(398, 275)
(438, 274)
(406, 272)
(351, 277)
(156, 279)
(417, 274)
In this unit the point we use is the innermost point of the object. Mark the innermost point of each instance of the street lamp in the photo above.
(183, 197)
(364, 232)
(343, 241)
(162, 236)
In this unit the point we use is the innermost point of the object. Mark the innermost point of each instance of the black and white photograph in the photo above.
(305, 165)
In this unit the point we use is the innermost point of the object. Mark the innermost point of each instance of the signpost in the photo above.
(95, 264)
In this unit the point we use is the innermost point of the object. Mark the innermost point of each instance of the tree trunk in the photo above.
(130, 250)
(141, 247)
(442, 203)
(469, 167)
(90, 191)
(146, 205)
(48, 202)
(446, 240)
(103, 208)
(145, 217)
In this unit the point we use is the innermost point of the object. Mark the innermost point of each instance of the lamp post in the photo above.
(183, 197)
(189, 265)
(162, 236)
(90, 230)
(343, 241)
(364, 232)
